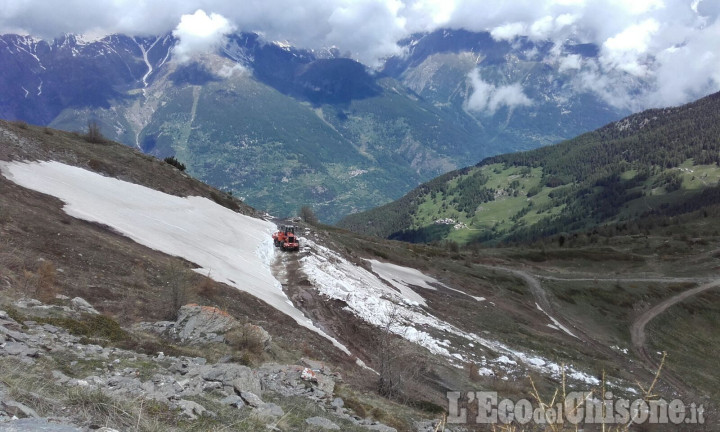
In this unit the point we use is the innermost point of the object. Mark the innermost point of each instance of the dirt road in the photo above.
(637, 330)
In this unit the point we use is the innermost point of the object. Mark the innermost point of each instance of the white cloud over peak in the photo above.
(200, 33)
(488, 98)
(672, 44)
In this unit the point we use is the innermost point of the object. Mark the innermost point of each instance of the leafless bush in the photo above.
(94, 134)
(399, 365)
(21, 124)
(307, 214)
(177, 280)
(45, 284)
(246, 338)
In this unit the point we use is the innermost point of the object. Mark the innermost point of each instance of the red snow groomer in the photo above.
(286, 238)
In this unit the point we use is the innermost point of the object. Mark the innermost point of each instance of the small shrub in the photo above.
(246, 338)
(307, 214)
(356, 406)
(91, 326)
(48, 131)
(21, 124)
(534, 191)
(14, 314)
(45, 289)
(100, 167)
(94, 134)
(207, 288)
(174, 162)
(427, 406)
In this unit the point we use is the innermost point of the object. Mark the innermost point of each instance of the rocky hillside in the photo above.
(203, 325)
(89, 382)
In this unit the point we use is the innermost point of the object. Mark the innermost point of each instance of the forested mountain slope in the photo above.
(658, 162)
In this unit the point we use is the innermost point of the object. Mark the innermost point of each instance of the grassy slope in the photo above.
(617, 173)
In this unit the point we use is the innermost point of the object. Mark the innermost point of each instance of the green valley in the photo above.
(653, 164)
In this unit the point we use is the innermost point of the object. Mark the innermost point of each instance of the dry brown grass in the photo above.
(46, 282)
(246, 338)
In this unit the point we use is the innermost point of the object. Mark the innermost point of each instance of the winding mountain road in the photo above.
(637, 329)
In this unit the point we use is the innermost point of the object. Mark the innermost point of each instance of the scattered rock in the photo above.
(322, 422)
(172, 380)
(39, 425)
(430, 426)
(17, 409)
(81, 305)
(26, 303)
(241, 378)
(380, 428)
(12, 334)
(191, 409)
(234, 401)
(268, 411)
(19, 349)
(251, 399)
(202, 324)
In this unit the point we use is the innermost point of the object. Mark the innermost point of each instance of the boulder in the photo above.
(234, 401)
(241, 378)
(251, 399)
(81, 305)
(202, 323)
(191, 409)
(322, 423)
(17, 409)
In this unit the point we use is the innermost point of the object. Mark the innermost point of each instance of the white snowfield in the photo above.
(402, 277)
(370, 299)
(228, 247)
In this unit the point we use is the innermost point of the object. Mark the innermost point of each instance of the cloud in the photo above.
(508, 31)
(627, 51)
(488, 98)
(570, 62)
(671, 44)
(200, 33)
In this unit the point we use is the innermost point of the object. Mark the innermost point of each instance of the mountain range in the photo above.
(283, 127)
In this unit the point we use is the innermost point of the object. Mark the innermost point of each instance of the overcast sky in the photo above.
(672, 44)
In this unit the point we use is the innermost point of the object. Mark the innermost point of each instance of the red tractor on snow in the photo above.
(286, 239)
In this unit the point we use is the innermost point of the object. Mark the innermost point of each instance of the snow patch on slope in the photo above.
(229, 247)
(556, 324)
(371, 300)
(403, 278)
